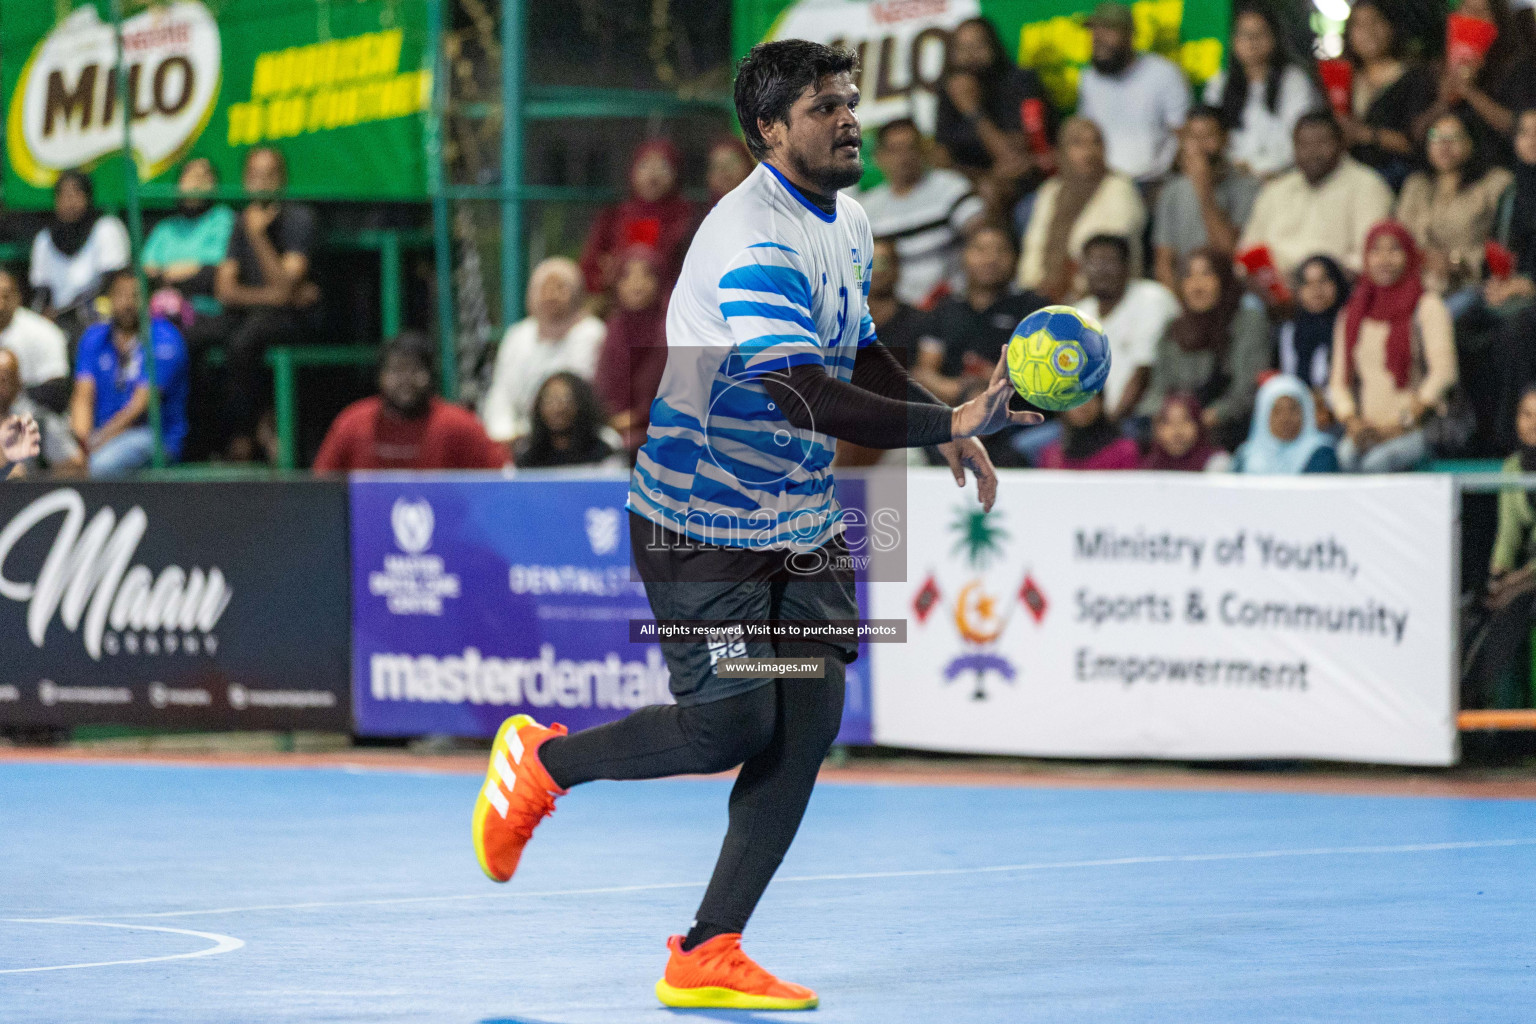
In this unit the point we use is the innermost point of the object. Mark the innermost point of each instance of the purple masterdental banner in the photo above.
(475, 597)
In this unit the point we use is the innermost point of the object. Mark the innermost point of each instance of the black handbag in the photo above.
(1448, 429)
(1449, 426)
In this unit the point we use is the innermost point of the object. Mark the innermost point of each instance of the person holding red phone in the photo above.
(655, 214)
(1515, 226)
(1487, 88)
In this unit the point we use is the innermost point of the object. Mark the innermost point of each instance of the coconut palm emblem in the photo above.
(980, 616)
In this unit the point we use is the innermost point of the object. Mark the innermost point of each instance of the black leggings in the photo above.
(1508, 628)
(251, 332)
(778, 733)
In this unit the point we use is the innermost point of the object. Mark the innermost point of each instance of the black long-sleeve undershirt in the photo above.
(881, 407)
(877, 369)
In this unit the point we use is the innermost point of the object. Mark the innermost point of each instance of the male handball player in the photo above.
(771, 355)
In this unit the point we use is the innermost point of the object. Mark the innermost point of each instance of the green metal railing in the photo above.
(520, 103)
(391, 245)
(286, 361)
(136, 233)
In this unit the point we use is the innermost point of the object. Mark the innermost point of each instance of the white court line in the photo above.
(221, 944)
(1178, 858)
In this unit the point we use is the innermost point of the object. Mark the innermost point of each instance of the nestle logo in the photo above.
(887, 12)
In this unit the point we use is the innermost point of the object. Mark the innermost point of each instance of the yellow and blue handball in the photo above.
(1058, 358)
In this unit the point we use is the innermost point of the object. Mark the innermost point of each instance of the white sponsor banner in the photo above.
(1175, 616)
(900, 43)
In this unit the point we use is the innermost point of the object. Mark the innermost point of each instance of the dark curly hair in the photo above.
(773, 75)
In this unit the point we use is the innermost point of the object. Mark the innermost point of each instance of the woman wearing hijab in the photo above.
(1260, 94)
(1180, 442)
(1283, 439)
(1215, 349)
(1085, 198)
(635, 352)
(655, 214)
(729, 164)
(567, 427)
(75, 254)
(1511, 570)
(1306, 339)
(1394, 358)
(1089, 440)
(558, 334)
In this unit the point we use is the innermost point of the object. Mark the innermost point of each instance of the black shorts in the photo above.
(688, 579)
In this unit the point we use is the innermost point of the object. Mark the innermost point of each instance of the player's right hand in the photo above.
(988, 412)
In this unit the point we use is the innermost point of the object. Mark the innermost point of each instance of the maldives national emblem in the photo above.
(980, 613)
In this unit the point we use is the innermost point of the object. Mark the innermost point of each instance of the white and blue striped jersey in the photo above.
(769, 282)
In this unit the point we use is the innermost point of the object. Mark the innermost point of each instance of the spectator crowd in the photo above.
(1301, 266)
(571, 384)
(75, 359)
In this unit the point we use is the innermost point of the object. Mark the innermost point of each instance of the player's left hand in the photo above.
(988, 412)
(967, 451)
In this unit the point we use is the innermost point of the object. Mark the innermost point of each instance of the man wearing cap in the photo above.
(1138, 100)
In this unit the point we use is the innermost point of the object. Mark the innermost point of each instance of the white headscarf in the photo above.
(558, 325)
(1263, 452)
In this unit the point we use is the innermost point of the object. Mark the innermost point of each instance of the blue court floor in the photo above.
(181, 894)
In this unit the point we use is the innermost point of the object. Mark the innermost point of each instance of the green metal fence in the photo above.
(518, 104)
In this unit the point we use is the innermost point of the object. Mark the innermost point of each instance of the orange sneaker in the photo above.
(517, 795)
(718, 975)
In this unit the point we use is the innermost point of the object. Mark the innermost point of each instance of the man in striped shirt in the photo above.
(733, 513)
(925, 210)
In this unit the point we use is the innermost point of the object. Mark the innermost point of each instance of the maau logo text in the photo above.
(88, 579)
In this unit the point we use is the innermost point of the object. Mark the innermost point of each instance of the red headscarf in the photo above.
(644, 216)
(634, 353)
(1192, 461)
(736, 146)
(1392, 304)
(664, 224)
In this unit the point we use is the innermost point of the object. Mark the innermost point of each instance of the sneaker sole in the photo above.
(714, 998)
(482, 805)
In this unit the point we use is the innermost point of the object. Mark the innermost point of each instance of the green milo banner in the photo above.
(901, 42)
(339, 87)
